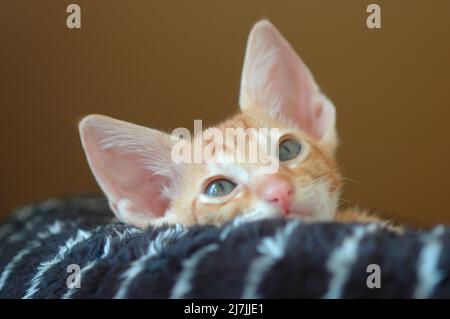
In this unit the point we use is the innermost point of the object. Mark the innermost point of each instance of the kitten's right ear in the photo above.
(132, 165)
(276, 80)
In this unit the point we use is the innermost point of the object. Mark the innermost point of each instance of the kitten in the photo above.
(134, 167)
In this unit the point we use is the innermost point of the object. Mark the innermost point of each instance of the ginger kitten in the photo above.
(134, 167)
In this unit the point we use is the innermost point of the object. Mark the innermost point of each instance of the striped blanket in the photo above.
(74, 248)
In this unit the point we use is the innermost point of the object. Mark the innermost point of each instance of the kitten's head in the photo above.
(135, 167)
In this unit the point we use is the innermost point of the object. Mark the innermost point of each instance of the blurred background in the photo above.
(165, 63)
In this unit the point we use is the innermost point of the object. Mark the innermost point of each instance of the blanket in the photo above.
(75, 248)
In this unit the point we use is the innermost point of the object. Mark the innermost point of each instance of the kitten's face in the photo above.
(306, 185)
(135, 168)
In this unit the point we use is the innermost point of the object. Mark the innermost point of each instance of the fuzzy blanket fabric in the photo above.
(74, 248)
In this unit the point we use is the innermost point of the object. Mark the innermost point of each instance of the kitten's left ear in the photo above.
(276, 79)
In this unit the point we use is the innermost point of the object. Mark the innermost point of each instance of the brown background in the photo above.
(166, 63)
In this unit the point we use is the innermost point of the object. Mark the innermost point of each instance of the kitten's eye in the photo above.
(219, 187)
(289, 149)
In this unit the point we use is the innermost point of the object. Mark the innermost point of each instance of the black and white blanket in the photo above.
(74, 248)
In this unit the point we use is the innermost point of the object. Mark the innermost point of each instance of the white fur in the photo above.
(428, 273)
(183, 284)
(6, 230)
(271, 249)
(48, 264)
(315, 195)
(52, 229)
(17, 258)
(235, 223)
(261, 210)
(29, 225)
(154, 248)
(51, 203)
(24, 212)
(125, 213)
(87, 267)
(343, 257)
(106, 251)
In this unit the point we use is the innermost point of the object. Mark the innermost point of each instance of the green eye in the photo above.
(219, 187)
(289, 149)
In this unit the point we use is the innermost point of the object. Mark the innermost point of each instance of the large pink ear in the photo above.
(132, 165)
(276, 79)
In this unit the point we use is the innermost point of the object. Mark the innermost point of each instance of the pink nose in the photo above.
(279, 191)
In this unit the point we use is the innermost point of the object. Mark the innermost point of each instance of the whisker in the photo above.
(347, 179)
(347, 201)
